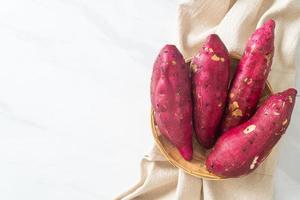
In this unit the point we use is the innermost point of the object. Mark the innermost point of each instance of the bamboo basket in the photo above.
(195, 167)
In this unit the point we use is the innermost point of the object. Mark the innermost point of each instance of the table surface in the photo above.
(74, 98)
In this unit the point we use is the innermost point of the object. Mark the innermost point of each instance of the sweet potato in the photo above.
(241, 149)
(171, 99)
(250, 77)
(210, 79)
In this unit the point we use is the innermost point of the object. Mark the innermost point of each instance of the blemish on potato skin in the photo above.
(273, 104)
(234, 105)
(285, 122)
(268, 58)
(252, 166)
(249, 81)
(237, 113)
(253, 46)
(231, 95)
(194, 67)
(173, 62)
(249, 129)
(250, 141)
(217, 58)
(290, 99)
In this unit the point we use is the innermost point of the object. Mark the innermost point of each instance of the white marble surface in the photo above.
(74, 98)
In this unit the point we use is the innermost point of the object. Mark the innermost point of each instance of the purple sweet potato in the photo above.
(171, 99)
(251, 75)
(210, 79)
(241, 149)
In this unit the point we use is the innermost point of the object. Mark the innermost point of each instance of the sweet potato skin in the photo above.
(210, 79)
(171, 99)
(251, 75)
(240, 150)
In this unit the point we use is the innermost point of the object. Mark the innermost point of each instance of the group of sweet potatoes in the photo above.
(222, 113)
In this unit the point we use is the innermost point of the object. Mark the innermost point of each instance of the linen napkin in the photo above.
(233, 21)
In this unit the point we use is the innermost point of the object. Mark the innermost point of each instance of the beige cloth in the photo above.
(233, 21)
